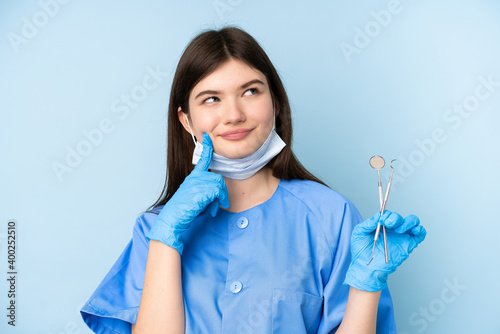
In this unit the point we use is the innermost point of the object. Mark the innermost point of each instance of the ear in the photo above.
(182, 118)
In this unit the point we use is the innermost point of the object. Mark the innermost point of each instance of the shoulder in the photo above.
(316, 196)
(335, 214)
(145, 220)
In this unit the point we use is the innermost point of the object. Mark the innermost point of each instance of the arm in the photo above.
(361, 312)
(162, 307)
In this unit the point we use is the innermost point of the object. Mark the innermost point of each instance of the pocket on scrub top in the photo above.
(295, 311)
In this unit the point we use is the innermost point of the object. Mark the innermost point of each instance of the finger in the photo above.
(216, 187)
(419, 232)
(368, 226)
(408, 223)
(213, 189)
(386, 215)
(219, 198)
(417, 235)
(223, 198)
(223, 195)
(391, 220)
(213, 208)
(206, 155)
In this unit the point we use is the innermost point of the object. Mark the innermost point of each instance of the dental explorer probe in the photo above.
(383, 209)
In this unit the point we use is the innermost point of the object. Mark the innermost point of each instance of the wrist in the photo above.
(167, 235)
(368, 295)
(361, 277)
(361, 312)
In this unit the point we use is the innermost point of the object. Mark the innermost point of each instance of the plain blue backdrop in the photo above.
(83, 138)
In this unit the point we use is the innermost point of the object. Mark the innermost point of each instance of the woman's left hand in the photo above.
(403, 235)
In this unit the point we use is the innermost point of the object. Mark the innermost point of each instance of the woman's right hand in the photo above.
(200, 189)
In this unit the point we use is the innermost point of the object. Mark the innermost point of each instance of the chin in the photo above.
(238, 150)
(236, 154)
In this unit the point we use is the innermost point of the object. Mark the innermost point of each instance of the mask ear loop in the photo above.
(191, 131)
(274, 116)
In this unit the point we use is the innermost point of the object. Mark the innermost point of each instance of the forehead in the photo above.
(229, 75)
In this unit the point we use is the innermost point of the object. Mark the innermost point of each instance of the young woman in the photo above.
(243, 238)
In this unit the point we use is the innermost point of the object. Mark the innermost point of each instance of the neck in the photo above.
(245, 194)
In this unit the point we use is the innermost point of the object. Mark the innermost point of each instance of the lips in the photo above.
(236, 134)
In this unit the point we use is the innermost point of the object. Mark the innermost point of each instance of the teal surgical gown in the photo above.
(278, 267)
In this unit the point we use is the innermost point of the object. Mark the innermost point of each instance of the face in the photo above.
(233, 105)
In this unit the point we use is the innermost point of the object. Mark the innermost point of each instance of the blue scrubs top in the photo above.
(278, 267)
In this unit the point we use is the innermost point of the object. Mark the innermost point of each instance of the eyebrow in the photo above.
(214, 92)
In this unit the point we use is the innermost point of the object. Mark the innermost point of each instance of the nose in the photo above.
(234, 113)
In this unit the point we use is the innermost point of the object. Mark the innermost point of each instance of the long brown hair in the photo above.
(203, 55)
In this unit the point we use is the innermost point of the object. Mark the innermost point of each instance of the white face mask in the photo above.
(240, 169)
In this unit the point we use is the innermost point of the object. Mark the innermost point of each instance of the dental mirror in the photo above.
(377, 162)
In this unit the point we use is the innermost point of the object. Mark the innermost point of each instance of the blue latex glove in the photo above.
(403, 235)
(200, 189)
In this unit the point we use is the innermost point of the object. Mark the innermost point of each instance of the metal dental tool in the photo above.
(383, 209)
(377, 162)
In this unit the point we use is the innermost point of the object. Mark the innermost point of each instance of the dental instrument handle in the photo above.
(380, 192)
(380, 196)
(382, 212)
(374, 243)
(377, 232)
(386, 252)
(386, 194)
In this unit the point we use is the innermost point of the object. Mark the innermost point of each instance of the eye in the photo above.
(252, 91)
(211, 99)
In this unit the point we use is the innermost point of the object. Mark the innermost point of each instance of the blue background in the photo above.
(65, 67)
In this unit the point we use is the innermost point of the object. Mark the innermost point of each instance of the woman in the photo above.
(247, 240)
